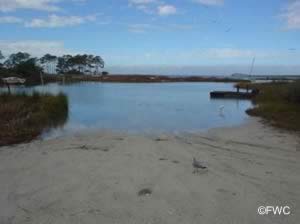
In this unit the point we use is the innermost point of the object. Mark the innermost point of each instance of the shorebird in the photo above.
(197, 165)
(221, 109)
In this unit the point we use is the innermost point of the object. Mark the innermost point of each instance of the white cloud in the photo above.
(166, 10)
(44, 5)
(10, 19)
(54, 21)
(143, 5)
(35, 48)
(210, 2)
(291, 15)
(153, 7)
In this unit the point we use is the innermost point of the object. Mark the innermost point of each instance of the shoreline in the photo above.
(58, 134)
(96, 178)
(139, 78)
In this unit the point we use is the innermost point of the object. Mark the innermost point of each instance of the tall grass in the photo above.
(278, 103)
(23, 117)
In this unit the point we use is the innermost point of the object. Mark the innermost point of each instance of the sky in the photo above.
(160, 36)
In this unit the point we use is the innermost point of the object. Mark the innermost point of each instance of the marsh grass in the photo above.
(23, 117)
(278, 103)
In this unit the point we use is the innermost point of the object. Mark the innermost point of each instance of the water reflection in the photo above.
(171, 107)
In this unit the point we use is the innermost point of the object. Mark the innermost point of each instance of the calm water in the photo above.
(171, 107)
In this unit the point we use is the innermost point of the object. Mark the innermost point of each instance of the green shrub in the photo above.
(278, 103)
(293, 93)
(23, 117)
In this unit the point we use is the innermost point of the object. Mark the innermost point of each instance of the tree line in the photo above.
(24, 65)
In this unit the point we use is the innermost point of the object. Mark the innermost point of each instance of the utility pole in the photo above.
(7, 85)
(252, 66)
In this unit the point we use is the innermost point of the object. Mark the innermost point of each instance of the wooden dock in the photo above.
(231, 95)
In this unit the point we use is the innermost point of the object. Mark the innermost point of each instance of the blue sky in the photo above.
(153, 33)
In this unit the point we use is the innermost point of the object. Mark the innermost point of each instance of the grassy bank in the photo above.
(23, 117)
(278, 103)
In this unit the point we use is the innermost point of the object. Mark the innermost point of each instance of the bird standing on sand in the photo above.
(197, 165)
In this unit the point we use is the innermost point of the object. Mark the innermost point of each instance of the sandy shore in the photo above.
(95, 178)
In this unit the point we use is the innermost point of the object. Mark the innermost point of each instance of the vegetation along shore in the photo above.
(130, 78)
(278, 103)
(23, 117)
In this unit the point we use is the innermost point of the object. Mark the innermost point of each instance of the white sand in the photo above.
(96, 178)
